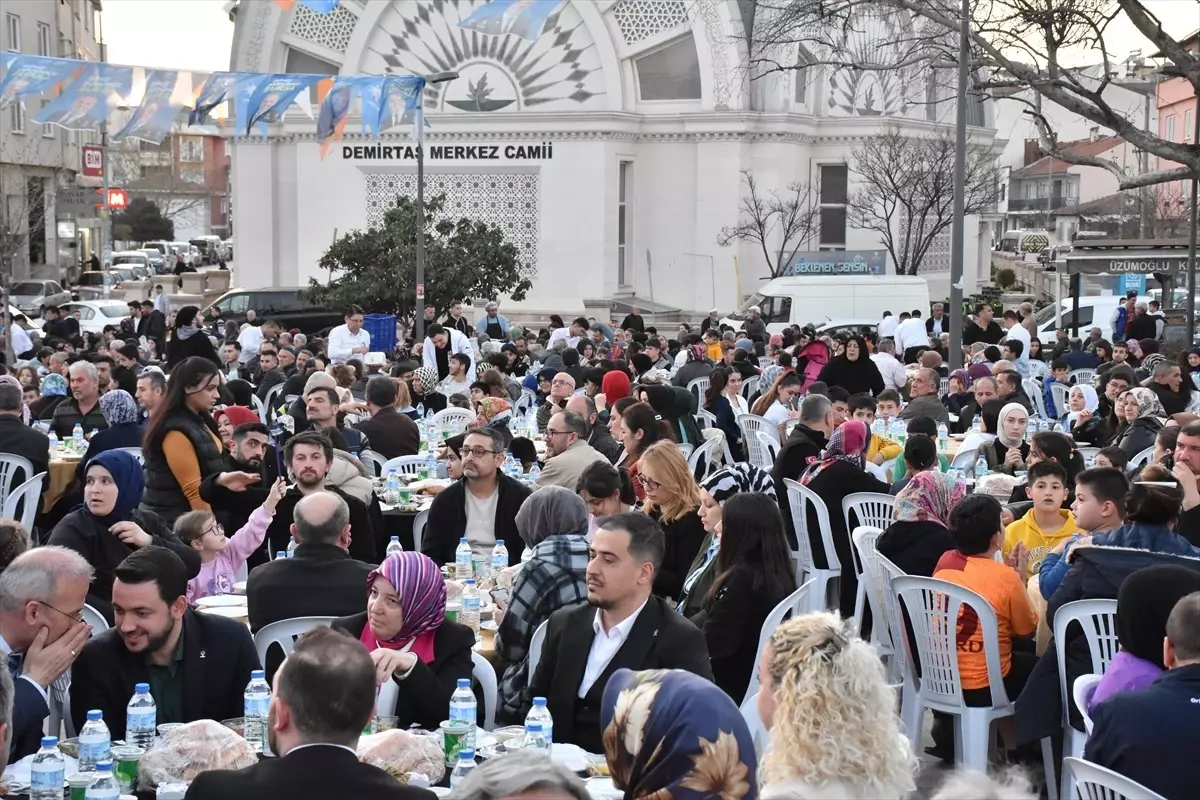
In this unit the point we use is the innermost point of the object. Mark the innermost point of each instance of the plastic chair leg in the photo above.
(973, 736)
(912, 714)
(1048, 765)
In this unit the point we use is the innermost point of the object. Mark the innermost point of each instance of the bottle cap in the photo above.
(256, 674)
(464, 540)
(539, 701)
(95, 713)
(464, 683)
(49, 741)
(141, 687)
(395, 538)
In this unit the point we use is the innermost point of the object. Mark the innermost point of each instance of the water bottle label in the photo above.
(256, 706)
(462, 712)
(93, 752)
(110, 793)
(140, 720)
(48, 777)
(470, 603)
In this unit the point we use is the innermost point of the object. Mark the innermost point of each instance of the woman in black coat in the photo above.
(1144, 413)
(853, 370)
(411, 642)
(717, 403)
(189, 339)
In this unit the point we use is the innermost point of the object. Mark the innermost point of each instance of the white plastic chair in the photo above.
(9, 464)
(284, 633)
(535, 649)
(525, 402)
(483, 671)
(965, 459)
(758, 731)
(419, 522)
(373, 462)
(707, 452)
(136, 452)
(705, 419)
(94, 618)
(1035, 394)
(825, 581)
(756, 453)
(686, 449)
(404, 465)
(1099, 783)
(933, 609)
(29, 496)
(1140, 460)
(272, 396)
(911, 711)
(943, 387)
(1081, 376)
(752, 423)
(767, 452)
(260, 408)
(698, 388)
(864, 538)
(1061, 395)
(791, 606)
(453, 420)
(870, 508)
(1088, 453)
(1081, 693)
(875, 470)
(1037, 369)
(750, 386)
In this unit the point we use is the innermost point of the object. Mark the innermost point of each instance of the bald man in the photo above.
(561, 389)
(1003, 365)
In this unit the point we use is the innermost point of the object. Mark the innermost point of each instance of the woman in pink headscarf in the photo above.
(840, 472)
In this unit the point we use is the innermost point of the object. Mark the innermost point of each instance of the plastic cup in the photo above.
(125, 765)
(79, 783)
(454, 739)
(386, 723)
(452, 612)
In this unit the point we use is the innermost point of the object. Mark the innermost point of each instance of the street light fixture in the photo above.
(419, 310)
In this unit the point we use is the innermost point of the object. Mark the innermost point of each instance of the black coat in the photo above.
(634, 322)
(992, 334)
(659, 639)
(424, 695)
(392, 434)
(683, 537)
(914, 547)
(362, 535)
(803, 446)
(18, 439)
(1139, 435)
(198, 344)
(856, 377)
(690, 372)
(29, 712)
(601, 441)
(86, 535)
(1173, 402)
(447, 521)
(314, 773)
(319, 580)
(218, 657)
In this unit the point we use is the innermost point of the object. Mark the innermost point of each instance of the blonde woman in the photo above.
(673, 499)
(831, 714)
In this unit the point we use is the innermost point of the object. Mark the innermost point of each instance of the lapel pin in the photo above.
(202, 654)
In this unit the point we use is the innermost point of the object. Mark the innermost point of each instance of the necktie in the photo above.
(14, 664)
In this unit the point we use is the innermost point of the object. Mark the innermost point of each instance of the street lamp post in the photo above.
(1192, 234)
(419, 310)
(957, 232)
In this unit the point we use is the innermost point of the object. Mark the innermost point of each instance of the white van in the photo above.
(803, 300)
(1094, 312)
(1020, 242)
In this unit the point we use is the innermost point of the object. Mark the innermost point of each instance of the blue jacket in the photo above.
(1051, 411)
(481, 325)
(1131, 536)
(1150, 735)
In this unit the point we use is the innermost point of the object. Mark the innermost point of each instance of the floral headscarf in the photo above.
(422, 590)
(672, 735)
(963, 376)
(848, 443)
(54, 385)
(696, 352)
(928, 497)
(118, 407)
(492, 409)
(428, 376)
(1148, 403)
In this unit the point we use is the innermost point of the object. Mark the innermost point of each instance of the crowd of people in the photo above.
(652, 573)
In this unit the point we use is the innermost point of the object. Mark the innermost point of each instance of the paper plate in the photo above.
(240, 587)
(221, 600)
(232, 612)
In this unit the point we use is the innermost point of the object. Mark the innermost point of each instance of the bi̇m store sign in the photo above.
(503, 153)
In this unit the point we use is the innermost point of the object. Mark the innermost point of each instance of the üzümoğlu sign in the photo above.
(1143, 263)
(451, 152)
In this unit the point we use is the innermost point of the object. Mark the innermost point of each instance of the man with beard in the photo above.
(321, 407)
(984, 390)
(197, 665)
(269, 374)
(153, 326)
(323, 697)
(234, 495)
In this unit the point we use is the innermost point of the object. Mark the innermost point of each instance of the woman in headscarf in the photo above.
(838, 473)
(919, 534)
(552, 523)
(189, 339)
(958, 391)
(228, 419)
(853, 370)
(410, 640)
(614, 386)
(1144, 415)
(54, 391)
(676, 409)
(1008, 453)
(424, 390)
(672, 734)
(125, 428)
(494, 413)
(1144, 602)
(1082, 397)
(109, 525)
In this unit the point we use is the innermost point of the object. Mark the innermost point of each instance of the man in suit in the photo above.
(1150, 735)
(17, 438)
(6, 709)
(197, 664)
(620, 626)
(42, 593)
(567, 452)
(323, 697)
(391, 433)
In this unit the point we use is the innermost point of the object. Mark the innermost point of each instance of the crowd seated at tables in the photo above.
(660, 603)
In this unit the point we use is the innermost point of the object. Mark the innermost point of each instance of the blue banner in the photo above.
(845, 262)
(272, 97)
(153, 118)
(216, 90)
(32, 75)
(320, 6)
(524, 18)
(84, 101)
(336, 106)
(1133, 283)
(394, 95)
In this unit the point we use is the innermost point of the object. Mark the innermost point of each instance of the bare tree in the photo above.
(905, 190)
(778, 224)
(142, 175)
(1015, 44)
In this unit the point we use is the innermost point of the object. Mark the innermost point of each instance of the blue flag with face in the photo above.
(32, 75)
(392, 95)
(153, 118)
(219, 87)
(271, 98)
(84, 101)
(320, 6)
(524, 18)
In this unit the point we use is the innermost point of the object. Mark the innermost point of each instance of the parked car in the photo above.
(129, 259)
(158, 262)
(96, 315)
(30, 296)
(288, 306)
(228, 245)
(210, 248)
(91, 284)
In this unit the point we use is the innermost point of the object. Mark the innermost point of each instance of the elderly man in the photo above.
(600, 438)
(984, 389)
(1027, 319)
(633, 321)
(924, 400)
(562, 386)
(567, 452)
(42, 593)
(83, 407)
(1143, 326)
(1167, 382)
(1095, 336)
(937, 324)
(151, 388)
(349, 339)
(494, 324)
(18, 439)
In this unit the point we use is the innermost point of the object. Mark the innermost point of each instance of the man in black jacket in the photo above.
(1187, 472)
(323, 698)
(1009, 387)
(153, 325)
(600, 438)
(482, 506)
(633, 321)
(620, 626)
(18, 439)
(391, 433)
(233, 506)
(197, 664)
(803, 446)
(1167, 382)
(983, 328)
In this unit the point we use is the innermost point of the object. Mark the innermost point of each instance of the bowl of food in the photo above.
(508, 733)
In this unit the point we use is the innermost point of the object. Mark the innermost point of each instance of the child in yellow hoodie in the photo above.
(862, 406)
(1028, 540)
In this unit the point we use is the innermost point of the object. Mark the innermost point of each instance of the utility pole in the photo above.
(1192, 233)
(419, 310)
(957, 232)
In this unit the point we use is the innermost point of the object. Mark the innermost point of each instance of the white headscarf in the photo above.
(1091, 401)
(1005, 412)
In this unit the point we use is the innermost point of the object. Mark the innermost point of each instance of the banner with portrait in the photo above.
(32, 75)
(271, 98)
(319, 6)
(152, 119)
(219, 87)
(523, 18)
(390, 96)
(86, 99)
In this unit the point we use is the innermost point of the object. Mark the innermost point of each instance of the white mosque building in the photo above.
(611, 149)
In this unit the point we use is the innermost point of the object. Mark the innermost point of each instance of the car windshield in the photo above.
(151, 253)
(95, 278)
(27, 288)
(1046, 314)
(115, 310)
(754, 300)
(129, 259)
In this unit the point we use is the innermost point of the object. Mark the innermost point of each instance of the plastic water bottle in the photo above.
(976, 424)
(509, 464)
(534, 738)
(48, 772)
(394, 547)
(431, 463)
(291, 548)
(463, 709)
(464, 767)
(391, 487)
(421, 412)
(104, 786)
(141, 717)
(53, 441)
(499, 558)
(943, 436)
(981, 469)
(535, 472)
(95, 742)
(469, 615)
(77, 439)
(879, 426)
(540, 715)
(255, 703)
(462, 560)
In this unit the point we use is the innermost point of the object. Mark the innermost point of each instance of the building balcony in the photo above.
(1036, 204)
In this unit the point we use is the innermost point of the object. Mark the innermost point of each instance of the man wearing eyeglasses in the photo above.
(482, 506)
(562, 386)
(42, 593)
(568, 453)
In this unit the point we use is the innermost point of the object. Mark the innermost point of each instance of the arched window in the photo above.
(670, 73)
(804, 73)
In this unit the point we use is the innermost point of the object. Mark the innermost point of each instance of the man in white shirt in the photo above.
(161, 301)
(457, 381)
(1013, 329)
(570, 334)
(621, 626)
(887, 325)
(250, 337)
(21, 342)
(440, 344)
(349, 340)
(912, 337)
(893, 372)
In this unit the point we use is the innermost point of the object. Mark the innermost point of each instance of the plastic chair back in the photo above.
(799, 500)
(1081, 693)
(686, 449)
(1140, 460)
(1035, 394)
(1037, 369)
(891, 616)
(1081, 376)
(94, 618)
(27, 497)
(261, 408)
(758, 731)
(453, 420)
(419, 523)
(9, 464)
(1098, 618)
(1088, 453)
(705, 419)
(789, 607)
(525, 402)
(965, 459)
(1061, 395)
(866, 559)
(483, 671)
(752, 423)
(750, 386)
(1099, 783)
(943, 387)
(767, 454)
(698, 388)
(535, 649)
(404, 465)
(706, 453)
(136, 452)
(373, 462)
(285, 632)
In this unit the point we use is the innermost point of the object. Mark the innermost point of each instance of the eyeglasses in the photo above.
(476, 452)
(217, 528)
(77, 616)
(650, 484)
(561, 383)
(558, 433)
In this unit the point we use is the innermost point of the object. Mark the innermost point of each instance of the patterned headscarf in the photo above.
(672, 734)
(696, 352)
(491, 407)
(428, 376)
(928, 497)
(739, 477)
(422, 590)
(848, 443)
(54, 385)
(963, 376)
(118, 407)
(1148, 403)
